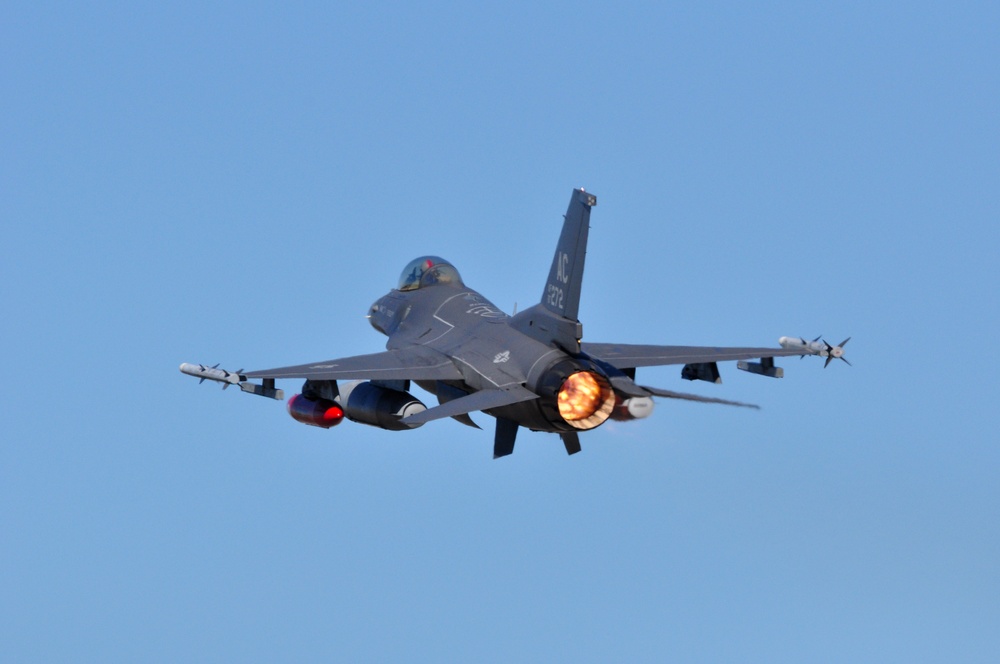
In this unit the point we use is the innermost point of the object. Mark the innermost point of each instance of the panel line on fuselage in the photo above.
(451, 326)
(473, 367)
(535, 364)
(481, 303)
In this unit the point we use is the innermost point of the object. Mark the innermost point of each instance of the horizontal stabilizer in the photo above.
(669, 394)
(482, 400)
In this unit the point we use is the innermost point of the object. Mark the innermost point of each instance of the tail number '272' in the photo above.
(555, 295)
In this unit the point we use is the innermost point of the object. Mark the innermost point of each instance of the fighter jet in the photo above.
(529, 370)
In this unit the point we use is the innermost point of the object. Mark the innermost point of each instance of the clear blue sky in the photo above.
(235, 183)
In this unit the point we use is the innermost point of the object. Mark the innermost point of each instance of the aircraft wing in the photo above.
(630, 356)
(412, 363)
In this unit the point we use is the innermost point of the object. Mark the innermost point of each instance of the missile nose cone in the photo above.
(790, 342)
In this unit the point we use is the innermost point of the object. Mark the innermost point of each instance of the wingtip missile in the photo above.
(818, 346)
(211, 373)
(835, 352)
(813, 347)
(228, 378)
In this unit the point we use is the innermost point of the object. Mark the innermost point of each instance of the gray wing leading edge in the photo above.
(412, 363)
(631, 356)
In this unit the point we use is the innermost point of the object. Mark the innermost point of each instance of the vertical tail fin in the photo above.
(562, 290)
(555, 320)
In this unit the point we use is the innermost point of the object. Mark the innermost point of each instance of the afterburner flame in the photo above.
(579, 397)
(585, 400)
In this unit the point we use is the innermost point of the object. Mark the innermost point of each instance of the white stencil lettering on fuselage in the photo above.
(482, 308)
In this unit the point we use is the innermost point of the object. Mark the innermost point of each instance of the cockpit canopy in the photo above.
(427, 271)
